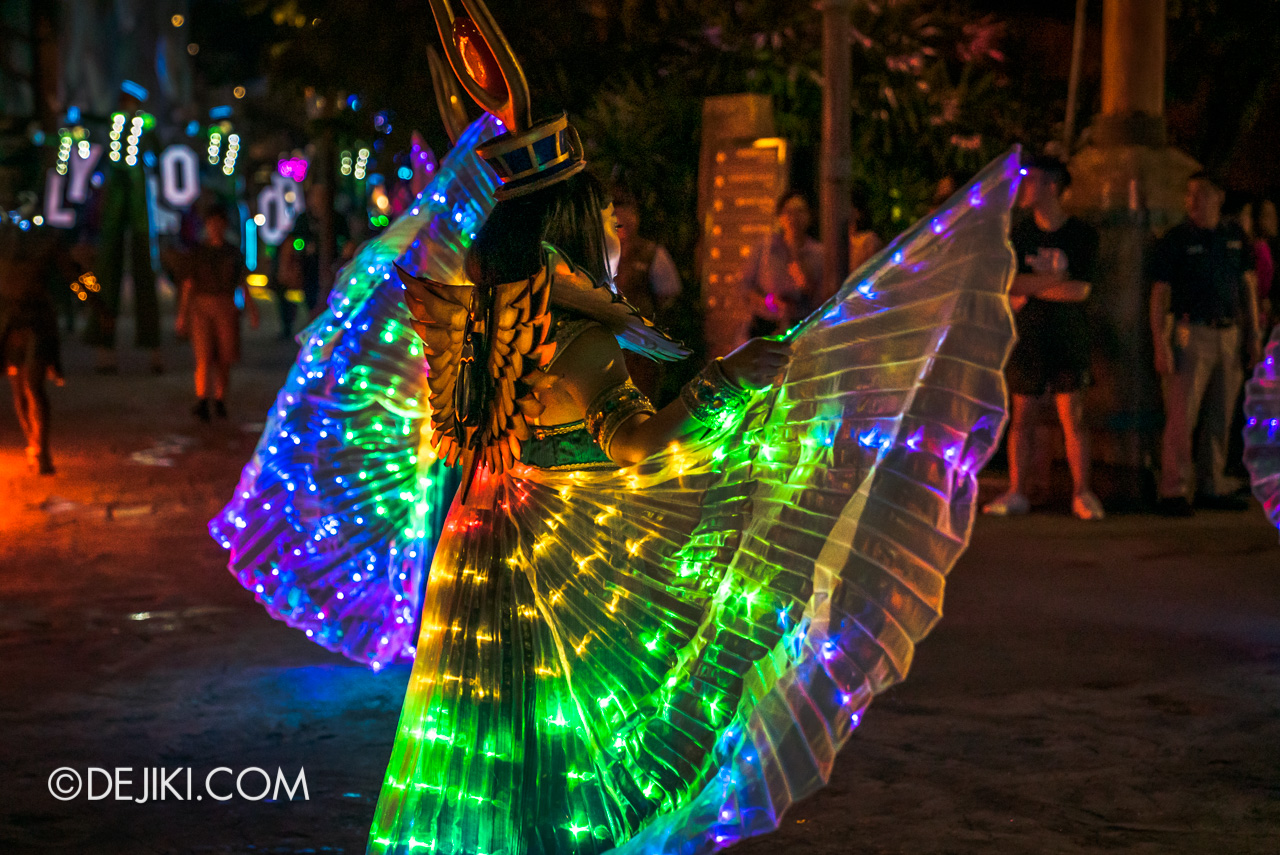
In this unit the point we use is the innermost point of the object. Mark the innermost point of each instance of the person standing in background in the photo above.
(648, 279)
(783, 278)
(1267, 229)
(1205, 283)
(1057, 264)
(863, 241)
(1244, 215)
(300, 252)
(208, 313)
(31, 259)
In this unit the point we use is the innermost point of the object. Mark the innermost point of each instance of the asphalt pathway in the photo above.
(1105, 687)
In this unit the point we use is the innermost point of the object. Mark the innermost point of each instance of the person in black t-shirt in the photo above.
(1205, 287)
(1057, 262)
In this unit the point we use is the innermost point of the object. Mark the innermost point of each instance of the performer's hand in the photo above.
(1164, 360)
(759, 363)
(1017, 302)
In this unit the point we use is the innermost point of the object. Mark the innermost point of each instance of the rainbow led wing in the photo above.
(336, 517)
(1262, 429)
(662, 659)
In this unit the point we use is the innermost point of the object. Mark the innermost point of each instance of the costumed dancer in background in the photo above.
(1262, 429)
(31, 260)
(652, 631)
(214, 274)
(126, 230)
(335, 518)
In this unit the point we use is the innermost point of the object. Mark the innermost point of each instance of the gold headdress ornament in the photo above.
(448, 96)
(482, 343)
(528, 156)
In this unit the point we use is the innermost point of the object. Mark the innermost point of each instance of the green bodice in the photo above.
(566, 446)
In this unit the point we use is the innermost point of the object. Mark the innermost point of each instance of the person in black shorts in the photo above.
(1057, 263)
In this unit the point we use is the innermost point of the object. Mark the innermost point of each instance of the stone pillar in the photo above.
(1129, 185)
(1133, 52)
(836, 184)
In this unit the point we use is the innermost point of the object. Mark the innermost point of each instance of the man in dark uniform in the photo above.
(1204, 293)
(1057, 263)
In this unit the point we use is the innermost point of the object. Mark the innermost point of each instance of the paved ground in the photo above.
(1106, 687)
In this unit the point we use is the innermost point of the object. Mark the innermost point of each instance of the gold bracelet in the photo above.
(612, 408)
(712, 398)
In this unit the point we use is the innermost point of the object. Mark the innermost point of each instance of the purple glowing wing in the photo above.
(1262, 429)
(335, 519)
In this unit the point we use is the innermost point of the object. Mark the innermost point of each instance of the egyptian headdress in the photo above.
(481, 342)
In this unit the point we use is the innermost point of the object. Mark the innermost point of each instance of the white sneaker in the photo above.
(1009, 505)
(1086, 506)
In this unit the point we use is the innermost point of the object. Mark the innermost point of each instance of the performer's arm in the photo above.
(594, 365)
(1051, 287)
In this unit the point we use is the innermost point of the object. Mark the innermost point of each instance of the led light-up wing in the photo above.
(1262, 429)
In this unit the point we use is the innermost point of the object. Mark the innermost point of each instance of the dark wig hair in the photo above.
(566, 215)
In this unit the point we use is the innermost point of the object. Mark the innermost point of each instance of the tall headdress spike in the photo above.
(482, 59)
(529, 156)
(448, 96)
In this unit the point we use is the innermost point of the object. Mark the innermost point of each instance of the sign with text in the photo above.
(747, 179)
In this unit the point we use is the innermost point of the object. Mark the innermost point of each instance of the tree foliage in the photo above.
(1222, 74)
(930, 93)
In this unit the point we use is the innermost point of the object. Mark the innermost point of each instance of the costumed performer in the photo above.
(652, 631)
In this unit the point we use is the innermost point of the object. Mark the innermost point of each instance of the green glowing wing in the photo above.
(664, 658)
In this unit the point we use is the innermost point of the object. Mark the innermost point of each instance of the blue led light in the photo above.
(137, 90)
